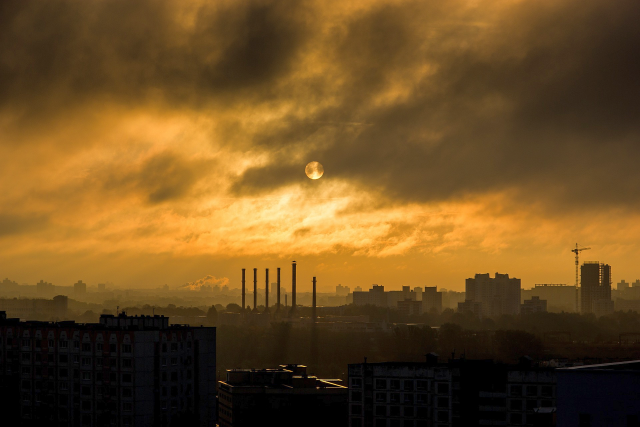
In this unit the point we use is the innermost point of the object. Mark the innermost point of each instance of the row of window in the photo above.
(86, 361)
(531, 390)
(441, 417)
(85, 375)
(405, 385)
(77, 345)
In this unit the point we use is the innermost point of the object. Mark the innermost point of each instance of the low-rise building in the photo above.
(286, 396)
(600, 395)
(534, 305)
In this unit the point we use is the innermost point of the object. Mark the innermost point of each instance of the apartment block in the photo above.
(123, 371)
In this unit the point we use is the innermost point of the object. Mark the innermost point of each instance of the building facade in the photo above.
(35, 308)
(492, 296)
(431, 299)
(123, 371)
(595, 288)
(457, 393)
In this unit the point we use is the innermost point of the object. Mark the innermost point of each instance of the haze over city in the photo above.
(157, 142)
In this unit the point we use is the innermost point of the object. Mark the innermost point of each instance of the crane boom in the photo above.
(577, 251)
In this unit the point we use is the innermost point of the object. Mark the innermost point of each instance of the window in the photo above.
(408, 411)
(174, 346)
(443, 388)
(174, 361)
(408, 385)
(64, 385)
(127, 406)
(381, 411)
(126, 378)
(422, 385)
(516, 418)
(164, 376)
(443, 416)
(174, 376)
(26, 357)
(408, 398)
(356, 382)
(86, 361)
(86, 391)
(381, 397)
(63, 358)
(422, 399)
(381, 422)
(86, 376)
(164, 347)
(127, 363)
(532, 390)
(164, 362)
(394, 397)
(38, 343)
(381, 384)
(113, 348)
(99, 346)
(86, 346)
(86, 406)
(394, 411)
(99, 376)
(584, 420)
(126, 348)
(516, 390)
(516, 405)
(356, 396)
(532, 404)
(127, 392)
(422, 412)
(51, 344)
(546, 390)
(26, 370)
(99, 361)
(546, 404)
(26, 342)
(76, 359)
(76, 344)
(443, 402)
(395, 385)
(356, 409)
(64, 373)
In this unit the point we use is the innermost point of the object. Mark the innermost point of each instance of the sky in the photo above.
(160, 142)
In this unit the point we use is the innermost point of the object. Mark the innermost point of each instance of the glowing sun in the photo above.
(314, 170)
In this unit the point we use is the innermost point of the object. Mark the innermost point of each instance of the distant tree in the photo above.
(234, 308)
(212, 316)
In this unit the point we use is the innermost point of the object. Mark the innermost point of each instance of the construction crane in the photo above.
(577, 251)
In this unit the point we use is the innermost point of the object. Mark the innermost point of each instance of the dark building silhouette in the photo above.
(487, 296)
(457, 393)
(283, 397)
(123, 371)
(595, 288)
(600, 395)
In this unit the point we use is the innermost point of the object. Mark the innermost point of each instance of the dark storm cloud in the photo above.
(542, 100)
(61, 51)
(12, 224)
(165, 176)
(419, 101)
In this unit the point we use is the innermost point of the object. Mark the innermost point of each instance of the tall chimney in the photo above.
(293, 286)
(243, 283)
(313, 309)
(266, 298)
(255, 289)
(278, 291)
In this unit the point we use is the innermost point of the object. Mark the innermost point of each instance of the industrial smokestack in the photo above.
(293, 286)
(278, 292)
(313, 308)
(243, 285)
(266, 298)
(255, 289)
